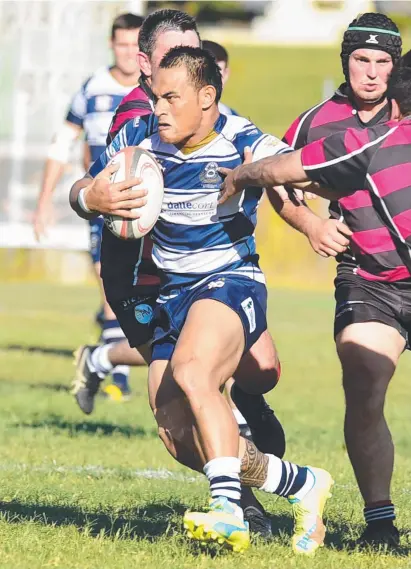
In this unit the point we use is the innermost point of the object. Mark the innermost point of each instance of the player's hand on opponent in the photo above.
(229, 187)
(115, 199)
(328, 237)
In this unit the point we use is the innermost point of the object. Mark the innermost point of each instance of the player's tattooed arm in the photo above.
(254, 466)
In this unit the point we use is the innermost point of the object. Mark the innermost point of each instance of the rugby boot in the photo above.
(266, 430)
(221, 524)
(309, 528)
(116, 394)
(258, 522)
(380, 535)
(86, 383)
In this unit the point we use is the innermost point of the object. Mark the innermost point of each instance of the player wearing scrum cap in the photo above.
(367, 322)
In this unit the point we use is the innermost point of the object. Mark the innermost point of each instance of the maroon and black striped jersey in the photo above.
(136, 104)
(335, 115)
(371, 168)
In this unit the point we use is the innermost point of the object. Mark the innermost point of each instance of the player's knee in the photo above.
(365, 385)
(180, 445)
(192, 377)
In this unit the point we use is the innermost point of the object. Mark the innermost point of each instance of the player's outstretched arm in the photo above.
(90, 197)
(268, 172)
(58, 156)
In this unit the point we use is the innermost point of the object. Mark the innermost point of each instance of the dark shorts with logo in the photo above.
(359, 300)
(246, 297)
(132, 303)
(135, 316)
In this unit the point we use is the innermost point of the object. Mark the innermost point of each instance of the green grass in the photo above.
(85, 492)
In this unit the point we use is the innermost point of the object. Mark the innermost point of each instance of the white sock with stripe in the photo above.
(224, 477)
(287, 479)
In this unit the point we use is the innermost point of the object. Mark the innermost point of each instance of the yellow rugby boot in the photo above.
(219, 524)
(309, 528)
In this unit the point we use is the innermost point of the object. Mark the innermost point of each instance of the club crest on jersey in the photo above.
(143, 313)
(210, 175)
(373, 39)
(103, 103)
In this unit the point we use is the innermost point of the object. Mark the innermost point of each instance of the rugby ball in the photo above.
(137, 163)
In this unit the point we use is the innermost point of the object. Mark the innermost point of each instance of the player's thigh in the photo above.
(259, 369)
(369, 352)
(213, 339)
(373, 343)
(368, 330)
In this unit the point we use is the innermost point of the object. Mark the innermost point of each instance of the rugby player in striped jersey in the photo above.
(209, 274)
(160, 31)
(374, 166)
(370, 47)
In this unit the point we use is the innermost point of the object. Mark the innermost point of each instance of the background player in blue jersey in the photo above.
(211, 314)
(91, 113)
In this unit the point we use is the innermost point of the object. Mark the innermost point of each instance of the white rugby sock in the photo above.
(99, 361)
(224, 476)
(287, 479)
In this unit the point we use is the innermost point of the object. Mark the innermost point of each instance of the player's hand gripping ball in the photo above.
(134, 162)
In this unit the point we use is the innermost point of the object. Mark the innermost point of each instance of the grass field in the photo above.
(101, 492)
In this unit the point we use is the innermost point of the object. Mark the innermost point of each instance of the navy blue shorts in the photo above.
(96, 231)
(246, 297)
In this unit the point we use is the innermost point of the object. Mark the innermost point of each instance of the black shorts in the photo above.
(135, 316)
(359, 300)
(132, 303)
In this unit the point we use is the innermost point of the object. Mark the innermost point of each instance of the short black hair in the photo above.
(220, 53)
(399, 84)
(126, 22)
(163, 21)
(201, 66)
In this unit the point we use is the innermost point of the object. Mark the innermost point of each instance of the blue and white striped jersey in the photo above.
(194, 237)
(225, 109)
(92, 108)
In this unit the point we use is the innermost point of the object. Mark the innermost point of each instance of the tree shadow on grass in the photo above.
(151, 522)
(56, 387)
(343, 536)
(64, 352)
(101, 428)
